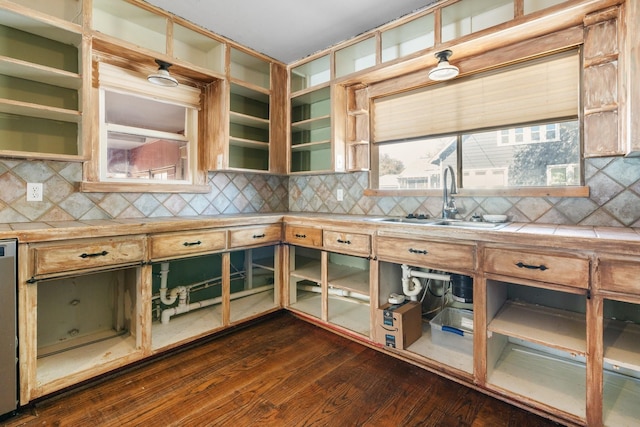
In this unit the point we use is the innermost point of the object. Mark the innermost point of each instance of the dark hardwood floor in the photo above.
(280, 372)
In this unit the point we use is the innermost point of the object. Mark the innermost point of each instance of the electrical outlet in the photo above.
(340, 194)
(34, 191)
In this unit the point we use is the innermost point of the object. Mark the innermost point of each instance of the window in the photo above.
(147, 133)
(473, 124)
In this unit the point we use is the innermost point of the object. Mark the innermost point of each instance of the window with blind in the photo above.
(511, 127)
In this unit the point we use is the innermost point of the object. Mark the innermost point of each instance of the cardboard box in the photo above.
(399, 326)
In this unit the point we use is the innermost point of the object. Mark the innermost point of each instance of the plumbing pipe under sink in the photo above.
(411, 285)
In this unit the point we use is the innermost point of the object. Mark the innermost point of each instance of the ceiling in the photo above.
(288, 30)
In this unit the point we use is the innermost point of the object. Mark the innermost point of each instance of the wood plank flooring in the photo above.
(279, 372)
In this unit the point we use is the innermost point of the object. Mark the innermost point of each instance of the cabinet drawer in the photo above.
(545, 267)
(303, 236)
(428, 254)
(88, 254)
(251, 236)
(619, 275)
(353, 243)
(175, 245)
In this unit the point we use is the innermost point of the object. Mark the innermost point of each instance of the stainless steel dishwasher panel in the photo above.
(8, 328)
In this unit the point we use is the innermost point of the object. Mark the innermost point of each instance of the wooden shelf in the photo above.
(622, 344)
(353, 316)
(620, 400)
(349, 278)
(39, 73)
(543, 325)
(20, 108)
(266, 263)
(252, 305)
(311, 146)
(551, 380)
(311, 124)
(186, 327)
(307, 268)
(41, 25)
(246, 120)
(247, 143)
(426, 348)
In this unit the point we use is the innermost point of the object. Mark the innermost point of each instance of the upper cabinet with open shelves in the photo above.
(41, 80)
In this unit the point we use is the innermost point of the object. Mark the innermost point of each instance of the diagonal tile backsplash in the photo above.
(614, 200)
(230, 193)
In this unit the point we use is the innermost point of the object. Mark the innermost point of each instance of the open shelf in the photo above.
(553, 380)
(252, 305)
(43, 26)
(308, 269)
(350, 314)
(349, 278)
(186, 327)
(39, 111)
(621, 397)
(310, 74)
(543, 325)
(39, 73)
(107, 354)
(425, 347)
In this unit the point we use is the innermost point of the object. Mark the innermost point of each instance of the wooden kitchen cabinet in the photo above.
(41, 80)
(83, 255)
(451, 353)
(81, 309)
(186, 243)
(536, 328)
(331, 279)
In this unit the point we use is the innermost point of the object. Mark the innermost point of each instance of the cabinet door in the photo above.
(87, 254)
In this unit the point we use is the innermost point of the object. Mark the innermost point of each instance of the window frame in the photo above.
(482, 62)
(134, 84)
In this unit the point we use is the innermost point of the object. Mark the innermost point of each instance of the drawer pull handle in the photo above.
(259, 236)
(301, 236)
(192, 243)
(540, 267)
(418, 251)
(345, 242)
(103, 253)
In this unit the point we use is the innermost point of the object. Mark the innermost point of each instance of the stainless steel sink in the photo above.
(458, 223)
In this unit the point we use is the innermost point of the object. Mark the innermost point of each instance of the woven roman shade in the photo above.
(537, 90)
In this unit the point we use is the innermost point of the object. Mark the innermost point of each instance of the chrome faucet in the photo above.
(449, 209)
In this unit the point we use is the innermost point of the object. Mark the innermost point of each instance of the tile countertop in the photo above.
(615, 239)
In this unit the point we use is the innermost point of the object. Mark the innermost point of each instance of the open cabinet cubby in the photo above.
(347, 291)
(536, 344)
(253, 287)
(40, 83)
(192, 303)
(248, 129)
(453, 351)
(621, 370)
(86, 322)
(311, 131)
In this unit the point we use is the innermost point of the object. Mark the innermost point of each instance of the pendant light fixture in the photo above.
(162, 76)
(444, 70)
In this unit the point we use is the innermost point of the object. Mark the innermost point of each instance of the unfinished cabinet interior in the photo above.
(254, 271)
(310, 137)
(330, 279)
(87, 312)
(536, 344)
(619, 310)
(249, 112)
(426, 269)
(41, 80)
